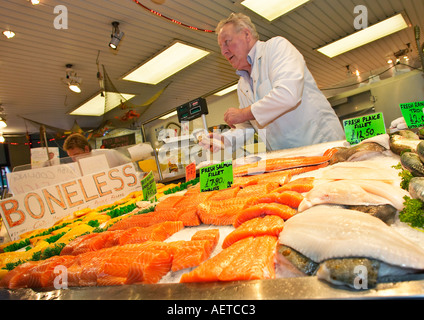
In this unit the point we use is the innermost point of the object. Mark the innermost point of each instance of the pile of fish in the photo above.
(342, 231)
(329, 216)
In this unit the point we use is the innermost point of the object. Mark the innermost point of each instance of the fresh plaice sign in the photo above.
(216, 177)
(413, 114)
(365, 127)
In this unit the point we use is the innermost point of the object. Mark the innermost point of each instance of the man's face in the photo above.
(235, 46)
(76, 152)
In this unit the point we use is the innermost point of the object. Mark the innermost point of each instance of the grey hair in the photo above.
(240, 21)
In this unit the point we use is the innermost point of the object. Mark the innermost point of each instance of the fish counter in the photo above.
(329, 221)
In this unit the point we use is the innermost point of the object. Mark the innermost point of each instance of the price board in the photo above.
(365, 127)
(148, 186)
(413, 114)
(216, 177)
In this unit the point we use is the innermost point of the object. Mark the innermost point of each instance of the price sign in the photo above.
(148, 186)
(413, 114)
(190, 171)
(216, 177)
(361, 128)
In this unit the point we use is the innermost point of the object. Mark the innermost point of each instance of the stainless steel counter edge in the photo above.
(303, 288)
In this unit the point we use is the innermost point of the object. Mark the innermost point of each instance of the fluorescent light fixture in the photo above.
(226, 90)
(272, 9)
(96, 106)
(168, 62)
(169, 115)
(364, 36)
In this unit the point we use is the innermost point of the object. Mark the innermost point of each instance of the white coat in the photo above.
(285, 100)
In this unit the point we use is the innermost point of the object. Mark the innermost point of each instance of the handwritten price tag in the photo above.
(190, 171)
(216, 177)
(413, 114)
(361, 128)
(148, 186)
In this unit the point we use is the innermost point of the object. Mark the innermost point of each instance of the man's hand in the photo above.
(235, 116)
(213, 141)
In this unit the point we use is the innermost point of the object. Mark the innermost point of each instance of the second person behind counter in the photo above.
(278, 96)
(77, 146)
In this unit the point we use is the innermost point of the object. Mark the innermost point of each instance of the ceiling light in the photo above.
(273, 8)
(3, 123)
(166, 63)
(116, 35)
(96, 106)
(169, 115)
(75, 87)
(35, 2)
(72, 80)
(364, 36)
(226, 90)
(9, 34)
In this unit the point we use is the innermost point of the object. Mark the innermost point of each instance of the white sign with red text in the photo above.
(43, 207)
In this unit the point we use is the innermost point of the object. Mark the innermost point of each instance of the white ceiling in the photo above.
(32, 64)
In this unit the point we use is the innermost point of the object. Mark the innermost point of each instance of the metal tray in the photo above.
(303, 288)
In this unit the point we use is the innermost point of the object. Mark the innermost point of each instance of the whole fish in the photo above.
(420, 150)
(416, 188)
(325, 233)
(411, 161)
(403, 142)
(358, 152)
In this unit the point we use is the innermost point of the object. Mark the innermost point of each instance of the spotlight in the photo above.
(8, 34)
(116, 35)
(3, 123)
(72, 80)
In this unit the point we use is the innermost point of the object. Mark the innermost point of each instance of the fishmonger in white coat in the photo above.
(276, 92)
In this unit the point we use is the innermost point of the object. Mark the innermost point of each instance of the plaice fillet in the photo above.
(354, 192)
(364, 170)
(325, 232)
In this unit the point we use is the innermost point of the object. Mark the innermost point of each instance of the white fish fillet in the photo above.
(324, 232)
(376, 169)
(352, 172)
(354, 192)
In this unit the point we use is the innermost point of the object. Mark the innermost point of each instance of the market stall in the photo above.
(184, 282)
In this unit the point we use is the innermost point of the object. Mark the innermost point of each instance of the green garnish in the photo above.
(413, 212)
(405, 175)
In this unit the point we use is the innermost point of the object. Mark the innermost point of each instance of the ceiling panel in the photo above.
(32, 65)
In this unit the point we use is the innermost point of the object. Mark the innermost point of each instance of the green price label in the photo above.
(413, 114)
(148, 186)
(216, 177)
(361, 128)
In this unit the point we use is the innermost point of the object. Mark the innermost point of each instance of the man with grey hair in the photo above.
(279, 98)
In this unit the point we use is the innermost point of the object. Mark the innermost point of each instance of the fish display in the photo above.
(316, 216)
(326, 233)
